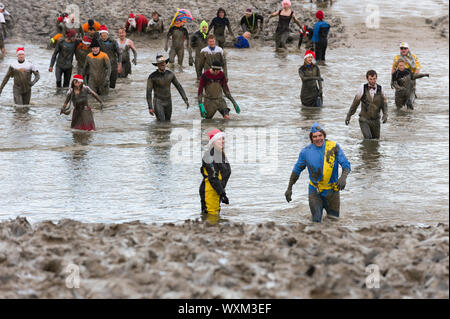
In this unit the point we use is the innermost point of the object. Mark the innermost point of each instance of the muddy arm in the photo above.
(179, 88)
(419, 75)
(36, 77)
(354, 106)
(6, 79)
(308, 78)
(149, 93)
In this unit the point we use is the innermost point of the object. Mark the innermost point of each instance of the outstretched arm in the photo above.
(354, 105)
(297, 22)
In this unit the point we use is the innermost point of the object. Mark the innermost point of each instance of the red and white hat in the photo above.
(20, 51)
(78, 77)
(309, 53)
(103, 28)
(131, 16)
(86, 40)
(214, 135)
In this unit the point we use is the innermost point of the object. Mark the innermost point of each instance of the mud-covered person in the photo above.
(180, 36)
(159, 98)
(63, 56)
(125, 45)
(212, 86)
(212, 53)
(322, 158)
(97, 69)
(373, 101)
(155, 26)
(198, 42)
(111, 48)
(21, 71)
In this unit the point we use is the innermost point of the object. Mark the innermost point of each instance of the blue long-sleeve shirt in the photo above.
(317, 26)
(312, 157)
(242, 43)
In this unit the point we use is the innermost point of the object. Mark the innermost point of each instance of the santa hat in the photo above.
(87, 40)
(20, 51)
(319, 15)
(309, 53)
(103, 28)
(214, 135)
(78, 78)
(60, 19)
(131, 16)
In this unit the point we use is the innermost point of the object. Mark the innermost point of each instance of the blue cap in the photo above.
(316, 127)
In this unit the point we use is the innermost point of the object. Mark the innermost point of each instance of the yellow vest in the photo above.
(327, 169)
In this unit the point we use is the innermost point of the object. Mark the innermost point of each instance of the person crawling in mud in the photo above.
(21, 71)
(324, 184)
(155, 26)
(136, 23)
(403, 83)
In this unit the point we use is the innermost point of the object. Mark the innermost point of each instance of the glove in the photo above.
(385, 117)
(202, 110)
(191, 61)
(288, 194)
(347, 120)
(134, 61)
(236, 107)
(187, 104)
(342, 180)
(224, 199)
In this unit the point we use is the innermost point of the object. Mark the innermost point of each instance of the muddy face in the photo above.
(372, 80)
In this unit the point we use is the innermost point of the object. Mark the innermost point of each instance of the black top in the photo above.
(215, 162)
(251, 23)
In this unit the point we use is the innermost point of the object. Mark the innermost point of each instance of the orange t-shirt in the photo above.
(86, 26)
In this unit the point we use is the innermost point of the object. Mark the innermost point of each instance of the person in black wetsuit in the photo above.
(65, 50)
(284, 19)
(159, 82)
(320, 37)
(218, 24)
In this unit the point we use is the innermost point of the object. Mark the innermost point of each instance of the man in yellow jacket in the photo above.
(411, 60)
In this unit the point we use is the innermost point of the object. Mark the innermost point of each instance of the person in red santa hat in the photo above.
(83, 49)
(82, 118)
(21, 71)
(216, 171)
(320, 37)
(136, 23)
(311, 93)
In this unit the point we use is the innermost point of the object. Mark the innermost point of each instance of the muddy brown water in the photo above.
(130, 168)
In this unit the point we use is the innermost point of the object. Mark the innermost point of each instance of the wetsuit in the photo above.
(323, 167)
(2, 43)
(64, 51)
(320, 39)
(311, 93)
(82, 118)
(219, 24)
(155, 28)
(251, 24)
(97, 69)
(141, 24)
(179, 35)
(162, 100)
(80, 55)
(126, 63)
(209, 55)
(216, 171)
(214, 85)
(372, 101)
(403, 83)
(282, 31)
(111, 48)
(198, 42)
(21, 72)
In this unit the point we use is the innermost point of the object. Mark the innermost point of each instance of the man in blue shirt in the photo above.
(242, 41)
(322, 158)
(320, 37)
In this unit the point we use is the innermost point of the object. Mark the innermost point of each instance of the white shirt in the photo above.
(26, 66)
(372, 91)
(216, 50)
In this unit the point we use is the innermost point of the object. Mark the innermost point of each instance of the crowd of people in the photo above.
(101, 59)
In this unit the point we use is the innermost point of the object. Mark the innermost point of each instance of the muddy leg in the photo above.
(316, 206)
(180, 55)
(365, 129)
(332, 203)
(211, 107)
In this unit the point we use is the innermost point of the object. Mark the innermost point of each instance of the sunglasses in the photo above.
(403, 48)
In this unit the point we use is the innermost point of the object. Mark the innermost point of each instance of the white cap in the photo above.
(404, 45)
